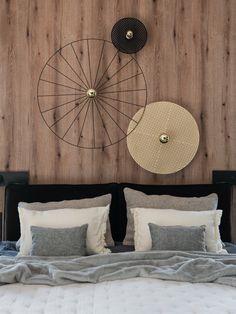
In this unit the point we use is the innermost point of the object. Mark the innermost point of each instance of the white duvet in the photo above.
(130, 296)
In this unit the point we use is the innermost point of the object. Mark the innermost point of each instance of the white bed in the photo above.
(132, 296)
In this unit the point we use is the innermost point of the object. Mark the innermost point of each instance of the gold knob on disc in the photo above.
(164, 138)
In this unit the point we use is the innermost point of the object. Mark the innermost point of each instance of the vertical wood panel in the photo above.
(189, 59)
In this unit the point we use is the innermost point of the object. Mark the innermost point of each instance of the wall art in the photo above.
(129, 35)
(88, 92)
(166, 139)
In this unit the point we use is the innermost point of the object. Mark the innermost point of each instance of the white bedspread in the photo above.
(130, 296)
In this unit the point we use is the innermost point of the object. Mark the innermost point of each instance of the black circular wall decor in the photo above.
(88, 93)
(129, 35)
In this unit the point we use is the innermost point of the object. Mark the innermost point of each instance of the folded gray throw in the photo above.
(167, 265)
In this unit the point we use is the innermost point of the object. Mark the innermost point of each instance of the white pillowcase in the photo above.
(170, 217)
(95, 217)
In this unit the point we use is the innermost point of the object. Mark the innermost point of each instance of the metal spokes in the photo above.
(88, 93)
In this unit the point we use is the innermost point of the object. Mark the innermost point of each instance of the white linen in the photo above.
(131, 296)
(95, 217)
(172, 217)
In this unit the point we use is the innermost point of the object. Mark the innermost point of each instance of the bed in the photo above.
(137, 291)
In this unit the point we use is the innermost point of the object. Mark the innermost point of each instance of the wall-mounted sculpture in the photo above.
(92, 94)
(88, 92)
(129, 35)
(166, 139)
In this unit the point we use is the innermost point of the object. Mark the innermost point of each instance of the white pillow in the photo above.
(171, 217)
(95, 217)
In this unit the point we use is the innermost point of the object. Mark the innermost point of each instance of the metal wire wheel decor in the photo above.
(88, 93)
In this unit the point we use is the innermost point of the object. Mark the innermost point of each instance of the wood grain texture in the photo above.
(189, 59)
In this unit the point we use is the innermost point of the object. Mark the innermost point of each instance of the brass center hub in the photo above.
(129, 34)
(91, 93)
(164, 138)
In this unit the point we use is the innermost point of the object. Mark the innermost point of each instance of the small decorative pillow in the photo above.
(178, 238)
(58, 242)
(136, 198)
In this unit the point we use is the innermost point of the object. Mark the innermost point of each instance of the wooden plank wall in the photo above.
(189, 58)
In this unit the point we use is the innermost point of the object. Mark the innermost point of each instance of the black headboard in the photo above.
(49, 192)
(15, 193)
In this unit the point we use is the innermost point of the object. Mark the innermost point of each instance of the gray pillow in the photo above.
(81, 203)
(139, 199)
(178, 238)
(58, 242)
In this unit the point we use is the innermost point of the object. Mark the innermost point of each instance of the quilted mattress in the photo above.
(131, 296)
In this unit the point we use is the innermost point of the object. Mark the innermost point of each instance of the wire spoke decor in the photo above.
(88, 92)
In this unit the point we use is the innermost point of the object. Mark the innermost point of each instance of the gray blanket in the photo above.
(167, 265)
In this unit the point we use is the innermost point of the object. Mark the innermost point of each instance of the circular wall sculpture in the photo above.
(129, 35)
(166, 139)
(88, 93)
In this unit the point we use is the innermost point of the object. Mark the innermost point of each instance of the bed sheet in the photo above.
(130, 296)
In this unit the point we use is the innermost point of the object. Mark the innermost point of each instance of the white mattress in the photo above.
(132, 296)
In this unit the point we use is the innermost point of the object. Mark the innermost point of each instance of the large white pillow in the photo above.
(95, 217)
(170, 217)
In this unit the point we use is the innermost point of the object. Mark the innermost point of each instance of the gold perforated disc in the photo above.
(146, 144)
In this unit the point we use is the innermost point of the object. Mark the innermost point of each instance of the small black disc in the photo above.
(129, 35)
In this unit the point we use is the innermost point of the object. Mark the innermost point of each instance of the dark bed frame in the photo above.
(15, 193)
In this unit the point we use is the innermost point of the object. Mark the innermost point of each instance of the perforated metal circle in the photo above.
(120, 31)
(163, 119)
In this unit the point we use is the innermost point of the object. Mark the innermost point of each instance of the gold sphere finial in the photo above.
(129, 34)
(91, 93)
(164, 138)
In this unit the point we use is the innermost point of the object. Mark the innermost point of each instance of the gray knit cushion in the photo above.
(178, 238)
(59, 242)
